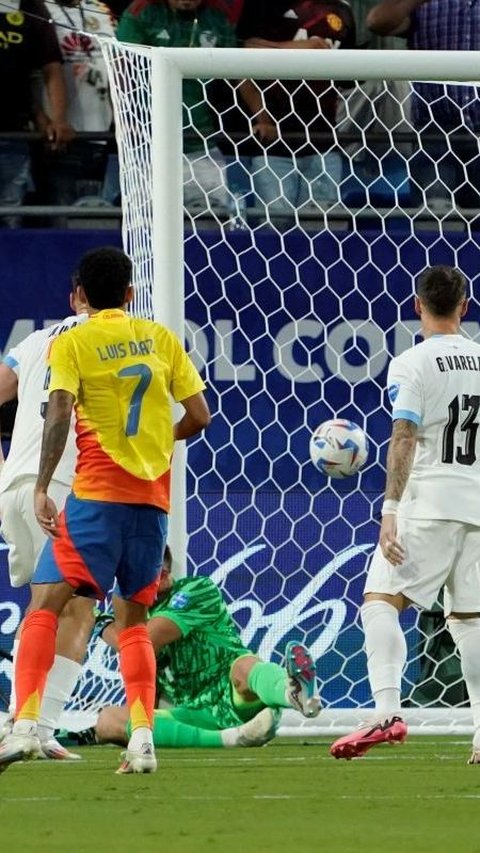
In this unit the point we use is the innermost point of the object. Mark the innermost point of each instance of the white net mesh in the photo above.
(294, 304)
(130, 75)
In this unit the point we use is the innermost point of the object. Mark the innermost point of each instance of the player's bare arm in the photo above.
(55, 433)
(314, 42)
(197, 417)
(400, 455)
(161, 631)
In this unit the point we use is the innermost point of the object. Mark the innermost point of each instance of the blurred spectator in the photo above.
(375, 171)
(116, 7)
(366, 39)
(78, 170)
(291, 169)
(188, 23)
(28, 43)
(231, 8)
(445, 168)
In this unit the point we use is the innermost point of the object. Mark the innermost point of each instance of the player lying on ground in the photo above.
(24, 373)
(121, 372)
(430, 532)
(222, 694)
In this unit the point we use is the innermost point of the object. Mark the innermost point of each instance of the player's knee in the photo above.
(75, 626)
(239, 673)
(129, 614)
(399, 601)
(463, 617)
(79, 609)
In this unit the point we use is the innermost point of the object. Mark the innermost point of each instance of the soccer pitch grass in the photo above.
(290, 795)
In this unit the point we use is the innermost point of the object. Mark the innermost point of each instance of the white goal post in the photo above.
(292, 324)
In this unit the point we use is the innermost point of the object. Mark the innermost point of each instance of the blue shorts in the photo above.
(100, 541)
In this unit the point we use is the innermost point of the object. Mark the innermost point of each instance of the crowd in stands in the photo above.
(286, 137)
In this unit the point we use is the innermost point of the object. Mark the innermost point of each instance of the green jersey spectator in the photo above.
(187, 23)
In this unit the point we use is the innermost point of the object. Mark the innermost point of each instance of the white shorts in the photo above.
(20, 528)
(438, 553)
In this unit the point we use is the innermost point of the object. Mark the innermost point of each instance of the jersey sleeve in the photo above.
(64, 375)
(130, 28)
(193, 606)
(45, 48)
(350, 40)
(186, 380)
(253, 21)
(13, 358)
(405, 392)
(229, 36)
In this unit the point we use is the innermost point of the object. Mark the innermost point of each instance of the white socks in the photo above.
(139, 738)
(24, 728)
(61, 682)
(386, 649)
(466, 636)
(229, 736)
(13, 697)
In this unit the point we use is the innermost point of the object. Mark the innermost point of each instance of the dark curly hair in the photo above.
(105, 275)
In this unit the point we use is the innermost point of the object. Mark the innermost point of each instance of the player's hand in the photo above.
(265, 130)
(392, 550)
(59, 134)
(312, 43)
(46, 514)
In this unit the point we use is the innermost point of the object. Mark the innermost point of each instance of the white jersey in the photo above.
(28, 360)
(436, 384)
(88, 101)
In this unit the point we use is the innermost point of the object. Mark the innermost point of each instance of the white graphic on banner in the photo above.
(100, 676)
(218, 350)
(280, 623)
(10, 615)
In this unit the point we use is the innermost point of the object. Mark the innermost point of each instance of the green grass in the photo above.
(289, 796)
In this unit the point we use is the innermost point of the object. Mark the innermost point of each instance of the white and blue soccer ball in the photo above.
(338, 448)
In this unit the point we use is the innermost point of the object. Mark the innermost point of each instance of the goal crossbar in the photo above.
(290, 64)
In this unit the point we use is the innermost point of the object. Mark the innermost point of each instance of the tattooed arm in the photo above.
(55, 433)
(401, 451)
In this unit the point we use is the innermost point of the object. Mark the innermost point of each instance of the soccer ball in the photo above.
(338, 448)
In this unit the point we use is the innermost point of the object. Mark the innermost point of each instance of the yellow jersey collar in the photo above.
(108, 314)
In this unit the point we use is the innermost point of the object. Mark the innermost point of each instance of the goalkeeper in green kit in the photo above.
(219, 693)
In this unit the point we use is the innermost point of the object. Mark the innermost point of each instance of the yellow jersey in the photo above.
(122, 371)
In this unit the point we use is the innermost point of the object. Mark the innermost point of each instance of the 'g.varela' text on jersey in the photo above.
(436, 384)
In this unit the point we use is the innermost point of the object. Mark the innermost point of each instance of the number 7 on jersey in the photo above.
(145, 377)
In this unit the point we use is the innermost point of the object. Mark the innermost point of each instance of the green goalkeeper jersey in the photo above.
(195, 669)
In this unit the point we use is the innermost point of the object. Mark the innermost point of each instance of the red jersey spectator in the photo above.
(296, 170)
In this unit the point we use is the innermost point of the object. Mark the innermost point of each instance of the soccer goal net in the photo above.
(285, 252)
